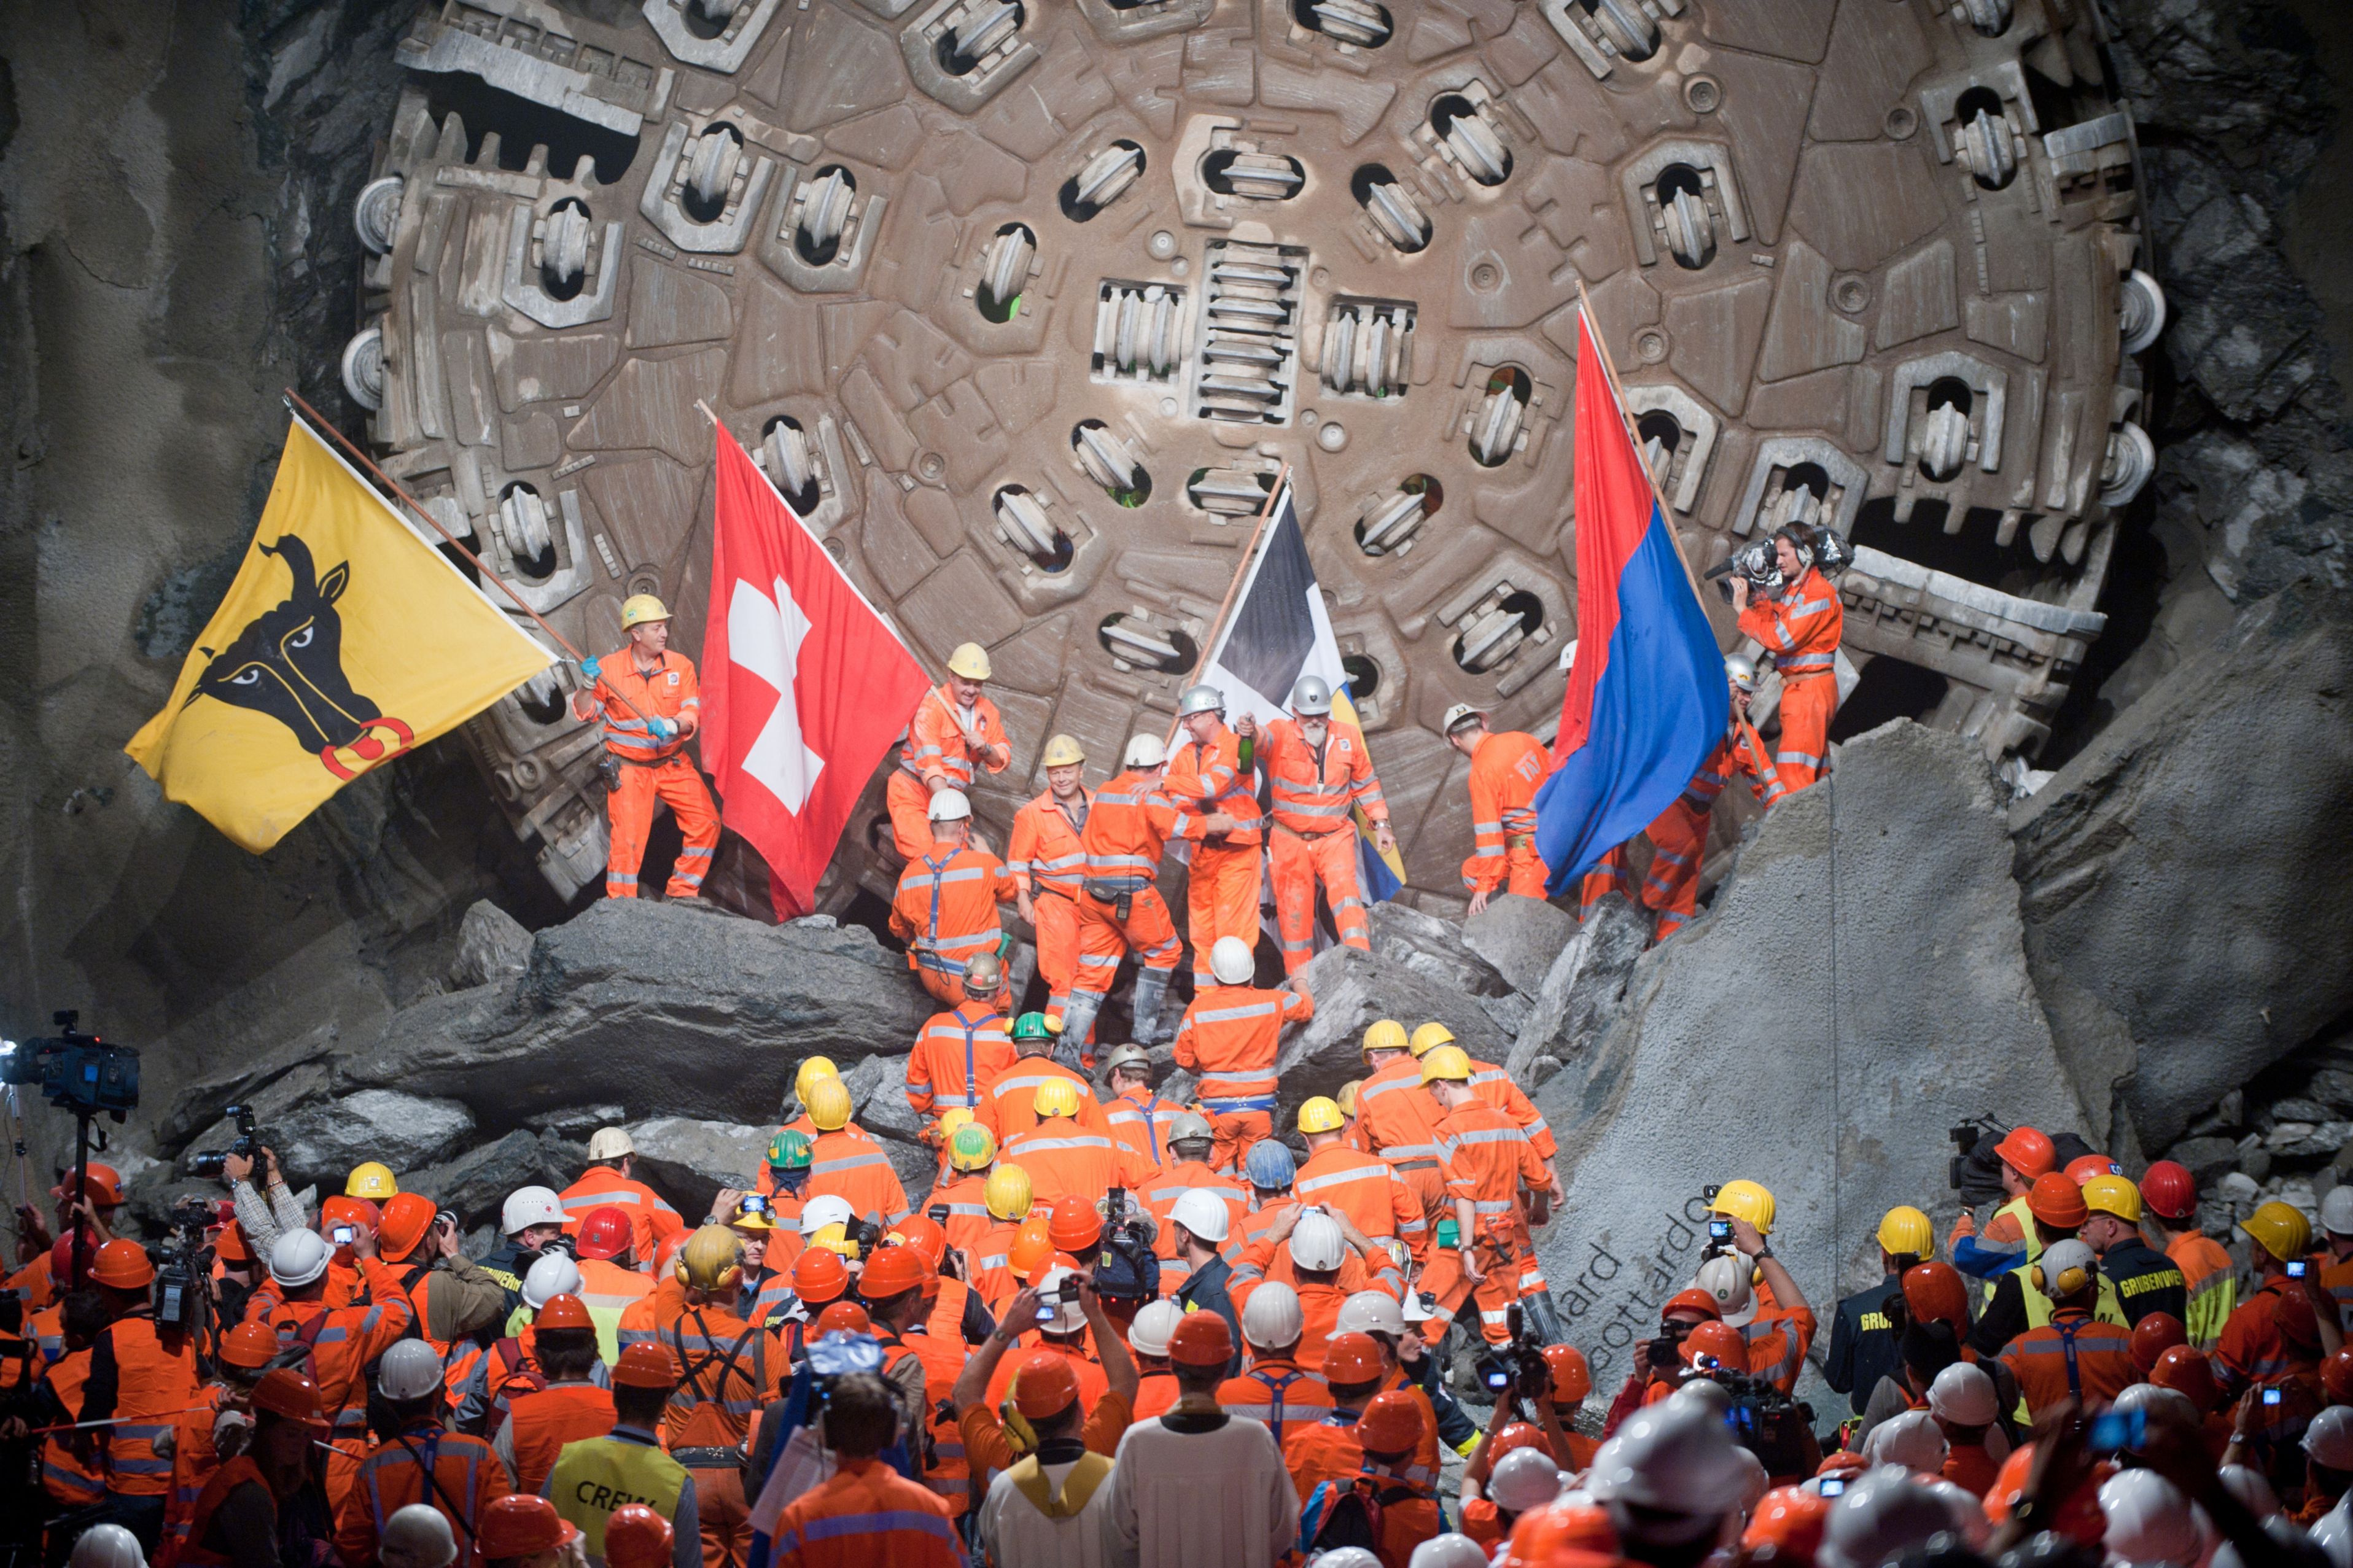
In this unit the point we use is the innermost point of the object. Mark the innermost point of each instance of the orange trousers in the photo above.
(1056, 922)
(1105, 939)
(1609, 875)
(725, 1516)
(1678, 845)
(631, 810)
(1233, 1132)
(911, 822)
(1807, 707)
(1221, 899)
(1501, 1263)
(1299, 864)
(1524, 868)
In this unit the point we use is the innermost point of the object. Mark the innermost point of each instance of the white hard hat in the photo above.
(1312, 697)
(2149, 1519)
(2065, 1262)
(1759, 1481)
(1069, 1317)
(107, 1546)
(1725, 1278)
(298, 1258)
(1144, 751)
(1447, 1550)
(1523, 1478)
(1316, 1244)
(1676, 1457)
(610, 1143)
(1154, 1322)
(1272, 1318)
(1741, 671)
(409, 1369)
(1369, 1313)
(2329, 1439)
(2251, 1487)
(1230, 961)
(1913, 1440)
(551, 1275)
(416, 1536)
(1883, 1515)
(1963, 1394)
(1456, 715)
(527, 1206)
(1348, 1557)
(821, 1211)
(2333, 1533)
(1200, 699)
(2337, 1211)
(2157, 1404)
(1708, 1395)
(949, 806)
(1202, 1212)
(1969, 1513)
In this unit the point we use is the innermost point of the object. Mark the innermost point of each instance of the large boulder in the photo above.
(2189, 917)
(1520, 937)
(1579, 995)
(1352, 988)
(688, 1161)
(1432, 948)
(1860, 982)
(492, 945)
(476, 1184)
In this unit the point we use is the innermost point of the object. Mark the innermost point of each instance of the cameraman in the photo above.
(143, 1374)
(38, 1281)
(1661, 1359)
(1800, 627)
(263, 1220)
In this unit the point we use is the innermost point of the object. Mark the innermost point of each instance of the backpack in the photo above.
(1341, 1513)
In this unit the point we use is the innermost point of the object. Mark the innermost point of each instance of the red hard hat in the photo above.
(1201, 1340)
(105, 1186)
(1694, 1301)
(1564, 1535)
(61, 1260)
(819, 1276)
(2027, 1152)
(844, 1318)
(1720, 1341)
(1351, 1358)
(1572, 1379)
(406, 1217)
(1842, 1462)
(1073, 1225)
(564, 1313)
(2153, 1336)
(1391, 1423)
(923, 1234)
(2186, 1371)
(1044, 1385)
(1790, 1519)
(2336, 1376)
(522, 1524)
(1518, 1435)
(2169, 1191)
(893, 1271)
(284, 1392)
(1936, 1293)
(646, 1365)
(2084, 1167)
(122, 1265)
(604, 1233)
(249, 1346)
(2292, 1312)
(341, 1210)
(2077, 1515)
(2057, 1201)
(638, 1537)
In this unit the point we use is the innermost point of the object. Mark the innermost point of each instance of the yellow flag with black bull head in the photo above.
(345, 641)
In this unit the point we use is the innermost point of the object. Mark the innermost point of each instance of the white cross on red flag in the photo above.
(805, 688)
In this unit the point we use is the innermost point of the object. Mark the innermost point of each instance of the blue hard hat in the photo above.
(1270, 1164)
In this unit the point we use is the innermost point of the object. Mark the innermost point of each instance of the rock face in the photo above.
(1859, 981)
(492, 945)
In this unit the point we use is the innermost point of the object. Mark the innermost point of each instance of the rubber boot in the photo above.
(1150, 988)
(1078, 1020)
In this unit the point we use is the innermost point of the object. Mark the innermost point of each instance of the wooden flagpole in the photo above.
(1233, 589)
(1626, 418)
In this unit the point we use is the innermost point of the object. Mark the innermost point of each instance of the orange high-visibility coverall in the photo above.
(731, 1369)
(1329, 1451)
(1611, 874)
(1045, 855)
(1679, 834)
(651, 770)
(466, 1472)
(853, 1167)
(937, 747)
(1127, 828)
(1367, 1190)
(1160, 1196)
(945, 912)
(1398, 1122)
(1314, 793)
(965, 1196)
(992, 1271)
(342, 1343)
(1487, 1160)
(956, 1054)
(651, 1220)
(1492, 1084)
(1230, 1036)
(1280, 1391)
(1505, 772)
(1009, 1101)
(2071, 1356)
(1139, 1121)
(1222, 893)
(1066, 1161)
(1800, 627)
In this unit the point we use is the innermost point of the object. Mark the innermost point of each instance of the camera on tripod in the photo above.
(1125, 1267)
(77, 1072)
(1518, 1364)
(212, 1163)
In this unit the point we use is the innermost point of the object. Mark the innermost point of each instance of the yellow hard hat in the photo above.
(371, 1179)
(1428, 1035)
(811, 1070)
(1448, 1062)
(1746, 1200)
(1905, 1231)
(827, 1104)
(2113, 1195)
(1321, 1115)
(953, 1117)
(970, 661)
(1384, 1034)
(970, 1147)
(1347, 1100)
(1062, 752)
(712, 1259)
(744, 1218)
(835, 1238)
(1056, 1097)
(2279, 1229)
(640, 607)
(1007, 1192)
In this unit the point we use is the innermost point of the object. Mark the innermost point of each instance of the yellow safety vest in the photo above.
(594, 1477)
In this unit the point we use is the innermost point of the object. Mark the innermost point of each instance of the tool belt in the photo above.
(1117, 891)
(1519, 841)
(707, 1458)
(1293, 831)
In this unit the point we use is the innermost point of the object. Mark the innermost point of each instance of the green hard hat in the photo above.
(789, 1152)
(1032, 1026)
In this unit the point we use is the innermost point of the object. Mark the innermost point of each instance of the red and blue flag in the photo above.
(1647, 700)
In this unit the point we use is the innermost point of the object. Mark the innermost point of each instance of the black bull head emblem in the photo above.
(288, 663)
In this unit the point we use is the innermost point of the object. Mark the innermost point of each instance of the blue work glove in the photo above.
(588, 666)
(664, 732)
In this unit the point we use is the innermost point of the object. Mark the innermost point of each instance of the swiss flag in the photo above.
(805, 688)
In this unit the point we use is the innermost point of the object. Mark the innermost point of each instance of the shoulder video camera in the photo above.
(1755, 561)
(211, 1162)
(183, 1279)
(1125, 1267)
(1517, 1364)
(1975, 1171)
(77, 1072)
(1770, 1425)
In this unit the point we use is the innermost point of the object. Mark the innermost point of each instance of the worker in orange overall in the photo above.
(1506, 769)
(1679, 834)
(1230, 1036)
(958, 1051)
(1206, 778)
(422, 1462)
(245, 1352)
(1395, 1118)
(341, 1342)
(1799, 626)
(1140, 1120)
(1064, 1158)
(2168, 1196)
(1494, 1085)
(1363, 1186)
(1320, 773)
(728, 1370)
(1008, 1100)
(571, 1408)
(2072, 1355)
(866, 1515)
(1187, 1169)
(945, 907)
(1488, 1161)
(1120, 911)
(608, 1183)
(847, 1162)
(651, 705)
(1369, 1450)
(1048, 863)
(954, 726)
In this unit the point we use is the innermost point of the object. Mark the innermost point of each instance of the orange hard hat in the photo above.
(638, 1537)
(406, 1217)
(341, 1210)
(1518, 1435)
(2292, 1312)
(2337, 1375)
(891, 1271)
(1694, 1301)
(2078, 1515)
(2153, 1336)
(924, 1235)
(2057, 1201)
(2028, 1152)
(646, 1365)
(1391, 1423)
(522, 1524)
(1721, 1343)
(1350, 1359)
(2185, 1370)
(1202, 1340)
(1572, 1379)
(1564, 1535)
(105, 1186)
(2084, 1167)
(1790, 1519)
(670, 1251)
(1044, 1385)
(229, 1244)
(604, 1233)
(122, 1265)
(1031, 1249)
(819, 1276)
(1842, 1462)
(249, 1346)
(284, 1392)
(564, 1313)
(1073, 1227)
(1936, 1293)
(844, 1318)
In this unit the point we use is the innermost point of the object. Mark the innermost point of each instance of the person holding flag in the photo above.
(1320, 773)
(651, 704)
